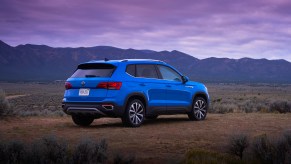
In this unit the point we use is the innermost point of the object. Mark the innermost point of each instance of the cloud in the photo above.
(222, 28)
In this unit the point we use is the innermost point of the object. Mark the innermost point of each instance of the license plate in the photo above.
(84, 92)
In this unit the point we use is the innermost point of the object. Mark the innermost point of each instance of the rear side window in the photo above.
(146, 70)
(94, 70)
(130, 69)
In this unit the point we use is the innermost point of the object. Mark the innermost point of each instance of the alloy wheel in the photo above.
(136, 111)
(200, 109)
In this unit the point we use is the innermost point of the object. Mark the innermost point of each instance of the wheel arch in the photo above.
(136, 95)
(201, 94)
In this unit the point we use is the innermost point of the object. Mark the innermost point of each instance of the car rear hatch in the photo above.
(89, 83)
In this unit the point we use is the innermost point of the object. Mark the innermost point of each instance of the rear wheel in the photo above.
(82, 120)
(134, 114)
(199, 109)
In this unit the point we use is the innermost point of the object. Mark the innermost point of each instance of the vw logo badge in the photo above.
(83, 83)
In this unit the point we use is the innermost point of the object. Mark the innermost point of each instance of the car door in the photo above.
(149, 82)
(178, 95)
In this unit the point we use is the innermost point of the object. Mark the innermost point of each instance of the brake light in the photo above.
(102, 85)
(110, 85)
(114, 85)
(68, 85)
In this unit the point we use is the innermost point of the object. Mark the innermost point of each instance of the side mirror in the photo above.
(185, 79)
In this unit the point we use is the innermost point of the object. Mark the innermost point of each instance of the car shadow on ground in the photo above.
(160, 121)
(146, 123)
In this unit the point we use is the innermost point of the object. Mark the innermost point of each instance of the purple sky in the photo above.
(206, 28)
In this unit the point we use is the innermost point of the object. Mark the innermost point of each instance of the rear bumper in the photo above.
(93, 109)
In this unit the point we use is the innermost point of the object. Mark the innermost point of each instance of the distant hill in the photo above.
(43, 63)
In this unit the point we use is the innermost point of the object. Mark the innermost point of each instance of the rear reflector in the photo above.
(109, 85)
(68, 85)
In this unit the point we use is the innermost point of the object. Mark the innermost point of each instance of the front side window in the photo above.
(169, 74)
(146, 70)
(94, 70)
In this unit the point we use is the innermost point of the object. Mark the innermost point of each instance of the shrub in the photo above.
(120, 159)
(202, 156)
(4, 105)
(14, 152)
(2, 152)
(248, 106)
(88, 151)
(238, 144)
(277, 151)
(280, 150)
(263, 149)
(287, 135)
(51, 150)
(280, 106)
(222, 108)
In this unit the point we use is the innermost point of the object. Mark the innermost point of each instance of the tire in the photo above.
(151, 117)
(134, 114)
(199, 109)
(82, 120)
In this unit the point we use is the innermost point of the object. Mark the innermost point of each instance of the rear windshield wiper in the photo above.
(91, 76)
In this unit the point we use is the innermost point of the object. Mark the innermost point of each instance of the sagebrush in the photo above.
(238, 144)
(4, 105)
(51, 149)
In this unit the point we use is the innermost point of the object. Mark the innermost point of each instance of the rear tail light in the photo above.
(68, 85)
(110, 85)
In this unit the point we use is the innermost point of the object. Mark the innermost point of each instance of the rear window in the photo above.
(94, 70)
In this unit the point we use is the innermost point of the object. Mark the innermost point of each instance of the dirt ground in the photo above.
(166, 139)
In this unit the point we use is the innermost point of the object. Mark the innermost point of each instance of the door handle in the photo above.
(142, 84)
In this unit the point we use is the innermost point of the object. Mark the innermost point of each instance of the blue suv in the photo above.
(133, 90)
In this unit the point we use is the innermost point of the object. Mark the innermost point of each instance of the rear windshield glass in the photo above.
(94, 70)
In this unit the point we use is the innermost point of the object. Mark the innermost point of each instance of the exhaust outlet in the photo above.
(108, 106)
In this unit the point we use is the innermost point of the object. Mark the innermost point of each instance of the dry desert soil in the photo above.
(165, 140)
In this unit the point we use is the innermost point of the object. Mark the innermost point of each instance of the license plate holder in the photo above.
(84, 92)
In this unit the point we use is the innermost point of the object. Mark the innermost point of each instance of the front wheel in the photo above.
(199, 109)
(134, 114)
(82, 120)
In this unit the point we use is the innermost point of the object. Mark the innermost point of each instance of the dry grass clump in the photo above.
(88, 151)
(120, 159)
(260, 150)
(228, 98)
(280, 106)
(4, 104)
(207, 157)
(50, 149)
(238, 144)
(272, 151)
(37, 105)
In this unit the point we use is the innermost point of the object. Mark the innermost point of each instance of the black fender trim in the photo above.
(140, 94)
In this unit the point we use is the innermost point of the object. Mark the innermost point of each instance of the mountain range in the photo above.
(43, 63)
